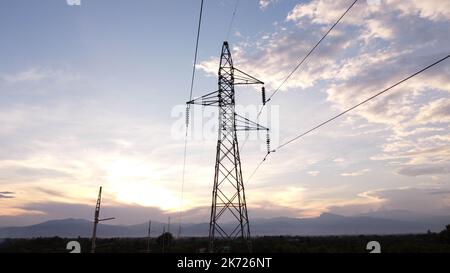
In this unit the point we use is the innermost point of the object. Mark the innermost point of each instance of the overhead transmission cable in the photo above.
(310, 52)
(187, 116)
(232, 19)
(300, 63)
(346, 111)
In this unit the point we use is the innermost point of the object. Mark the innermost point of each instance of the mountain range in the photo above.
(381, 222)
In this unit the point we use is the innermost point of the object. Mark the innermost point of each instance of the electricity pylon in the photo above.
(97, 220)
(228, 194)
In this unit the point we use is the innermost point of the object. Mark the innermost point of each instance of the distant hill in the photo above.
(332, 224)
(389, 222)
(406, 215)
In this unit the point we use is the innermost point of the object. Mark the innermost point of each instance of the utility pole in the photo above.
(168, 225)
(228, 194)
(97, 220)
(163, 238)
(148, 236)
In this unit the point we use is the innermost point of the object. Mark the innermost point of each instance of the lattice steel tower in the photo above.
(228, 194)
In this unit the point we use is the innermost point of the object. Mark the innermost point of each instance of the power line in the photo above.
(363, 102)
(310, 52)
(350, 109)
(301, 62)
(196, 49)
(187, 116)
(257, 167)
(232, 19)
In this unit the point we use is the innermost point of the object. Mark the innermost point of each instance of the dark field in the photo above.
(423, 243)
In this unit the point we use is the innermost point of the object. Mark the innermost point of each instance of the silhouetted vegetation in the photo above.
(445, 235)
(164, 241)
(430, 242)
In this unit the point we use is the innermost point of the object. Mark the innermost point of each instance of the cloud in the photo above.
(353, 209)
(423, 200)
(320, 12)
(356, 173)
(424, 170)
(38, 74)
(6, 195)
(62, 154)
(125, 214)
(314, 173)
(263, 4)
(435, 10)
(50, 192)
(377, 29)
(373, 47)
(31, 75)
(272, 210)
(276, 56)
(327, 11)
(440, 192)
(414, 199)
(12, 173)
(132, 214)
(75, 146)
(435, 111)
(341, 56)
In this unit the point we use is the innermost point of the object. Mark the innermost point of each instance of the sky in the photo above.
(94, 95)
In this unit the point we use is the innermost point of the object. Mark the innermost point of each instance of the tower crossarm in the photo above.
(242, 78)
(244, 124)
(106, 219)
(210, 99)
